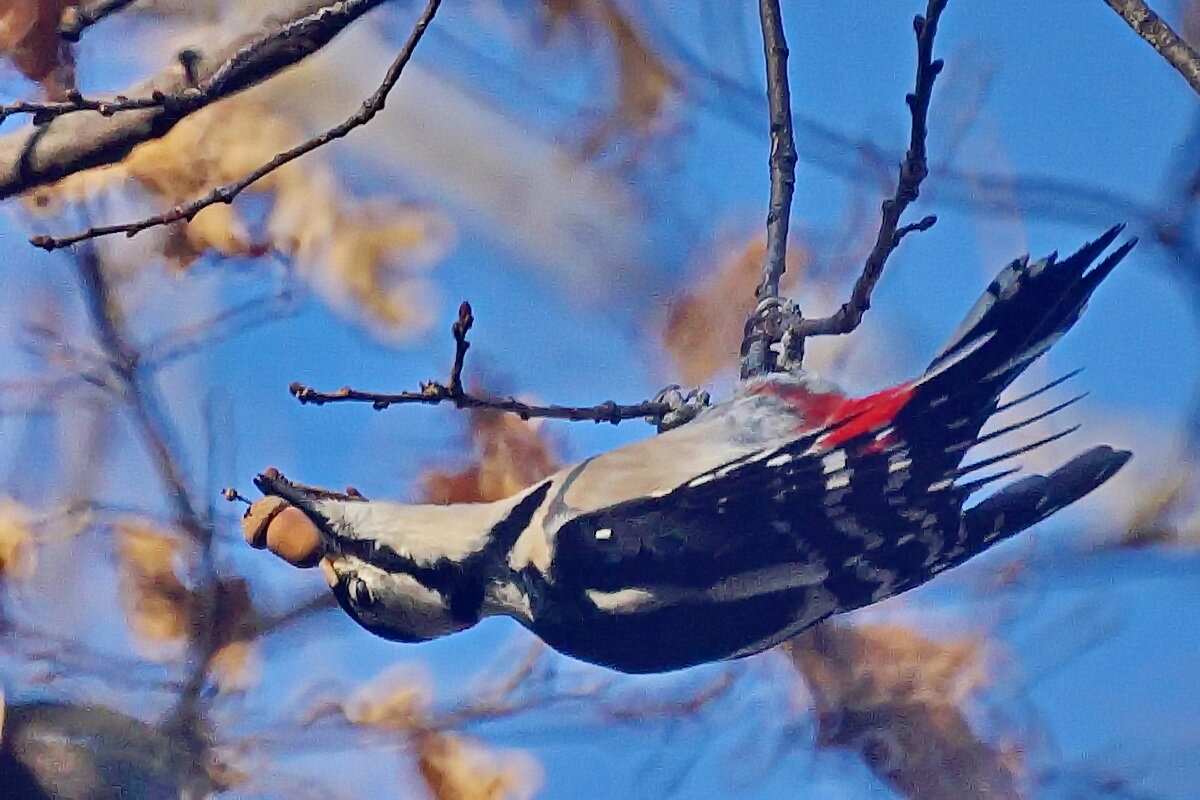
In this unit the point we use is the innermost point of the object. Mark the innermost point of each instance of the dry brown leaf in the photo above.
(29, 38)
(510, 454)
(399, 700)
(456, 767)
(704, 326)
(894, 696)
(361, 259)
(234, 665)
(16, 541)
(645, 84)
(367, 258)
(157, 604)
(1153, 519)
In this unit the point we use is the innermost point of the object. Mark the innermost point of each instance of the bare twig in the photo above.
(757, 355)
(434, 392)
(913, 170)
(271, 623)
(290, 490)
(225, 194)
(142, 402)
(783, 148)
(1159, 35)
(71, 142)
(124, 358)
(194, 336)
(77, 18)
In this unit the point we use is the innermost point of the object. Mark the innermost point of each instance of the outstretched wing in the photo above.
(851, 518)
(864, 518)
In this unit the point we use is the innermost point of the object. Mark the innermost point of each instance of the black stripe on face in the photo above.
(504, 534)
(461, 582)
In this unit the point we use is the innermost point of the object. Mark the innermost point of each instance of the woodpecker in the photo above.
(770, 511)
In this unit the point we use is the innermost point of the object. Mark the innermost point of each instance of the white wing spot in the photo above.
(884, 433)
(779, 461)
(622, 601)
(604, 533)
(900, 466)
(703, 479)
(834, 461)
(940, 485)
(838, 481)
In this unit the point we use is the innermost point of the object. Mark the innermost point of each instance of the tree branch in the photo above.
(226, 194)
(757, 356)
(433, 393)
(142, 403)
(1159, 35)
(77, 18)
(82, 134)
(913, 170)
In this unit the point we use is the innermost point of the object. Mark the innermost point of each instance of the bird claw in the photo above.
(684, 408)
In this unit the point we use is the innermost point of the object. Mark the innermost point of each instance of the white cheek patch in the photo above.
(400, 601)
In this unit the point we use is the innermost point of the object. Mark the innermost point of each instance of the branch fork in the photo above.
(775, 332)
(435, 392)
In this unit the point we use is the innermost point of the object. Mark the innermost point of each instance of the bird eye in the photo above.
(361, 593)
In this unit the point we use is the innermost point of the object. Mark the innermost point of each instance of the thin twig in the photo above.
(459, 331)
(913, 170)
(434, 392)
(783, 149)
(1159, 35)
(231, 321)
(63, 142)
(289, 489)
(253, 60)
(271, 623)
(225, 194)
(142, 401)
(757, 356)
(78, 18)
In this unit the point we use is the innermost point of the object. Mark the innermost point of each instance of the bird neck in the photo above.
(425, 534)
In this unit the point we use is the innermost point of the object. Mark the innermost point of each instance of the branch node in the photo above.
(913, 170)
(433, 392)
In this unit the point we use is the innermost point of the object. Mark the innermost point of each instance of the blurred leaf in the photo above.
(16, 542)
(399, 700)
(456, 767)
(366, 259)
(510, 454)
(894, 697)
(29, 38)
(645, 85)
(1165, 511)
(704, 326)
(157, 605)
(234, 666)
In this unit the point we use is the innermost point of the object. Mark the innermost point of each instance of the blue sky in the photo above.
(1101, 651)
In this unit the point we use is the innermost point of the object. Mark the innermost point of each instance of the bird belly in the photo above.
(638, 631)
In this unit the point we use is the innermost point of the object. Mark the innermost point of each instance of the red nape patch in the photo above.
(828, 408)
